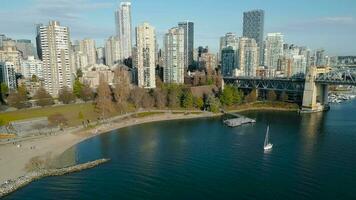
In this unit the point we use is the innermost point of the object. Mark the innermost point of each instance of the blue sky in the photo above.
(329, 24)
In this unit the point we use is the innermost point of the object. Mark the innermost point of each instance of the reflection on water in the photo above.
(313, 157)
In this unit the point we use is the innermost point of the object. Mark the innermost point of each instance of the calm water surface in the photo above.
(314, 157)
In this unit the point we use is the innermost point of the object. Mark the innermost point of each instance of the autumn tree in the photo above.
(136, 96)
(18, 99)
(86, 93)
(66, 96)
(252, 97)
(160, 97)
(103, 102)
(271, 95)
(147, 101)
(121, 88)
(43, 98)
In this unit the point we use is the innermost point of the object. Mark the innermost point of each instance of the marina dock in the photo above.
(238, 120)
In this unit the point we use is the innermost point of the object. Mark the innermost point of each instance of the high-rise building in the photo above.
(248, 55)
(208, 61)
(229, 40)
(9, 52)
(253, 27)
(188, 28)
(299, 65)
(32, 66)
(112, 51)
(8, 75)
(87, 47)
(56, 58)
(146, 56)
(273, 50)
(26, 48)
(100, 55)
(320, 57)
(228, 61)
(123, 29)
(173, 68)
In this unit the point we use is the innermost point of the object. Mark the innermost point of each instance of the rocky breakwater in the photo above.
(13, 185)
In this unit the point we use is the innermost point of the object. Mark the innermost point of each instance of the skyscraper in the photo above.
(273, 50)
(253, 27)
(320, 57)
(123, 29)
(112, 51)
(228, 61)
(188, 28)
(229, 39)
(248, 56)
(100, 55)
(55, 53)
(173, 68)
(146, 56)
(87, 47)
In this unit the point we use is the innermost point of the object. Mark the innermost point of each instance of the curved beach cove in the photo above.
(313, 157)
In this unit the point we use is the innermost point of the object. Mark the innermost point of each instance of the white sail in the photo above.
(267, 145)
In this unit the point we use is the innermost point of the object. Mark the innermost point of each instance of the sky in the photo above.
(328, 24)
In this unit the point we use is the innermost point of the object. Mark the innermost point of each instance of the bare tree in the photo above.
(66, 96)
(104, 104)
(121, 88)
(136, 96)
(43, 97)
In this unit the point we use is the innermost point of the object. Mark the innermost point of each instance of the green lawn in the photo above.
(70, 112)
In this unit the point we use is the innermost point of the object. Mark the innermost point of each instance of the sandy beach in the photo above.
(13, 159)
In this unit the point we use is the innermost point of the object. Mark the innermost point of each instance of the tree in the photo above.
(160, 97)
(284, 97)
(198, 102)
(121, 88)
(4, 89)
(34, 78)
(174, 92)
(252, 97)
(136, 96)
(18, 99)
(43, 98)
(103, 102)
(66, 96)
(230, 96)
(86, 94)
(77, 88)
(147, 101)
(213, 104)
(271, 95)
(187, 99)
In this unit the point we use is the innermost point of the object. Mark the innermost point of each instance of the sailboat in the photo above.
(267, 145)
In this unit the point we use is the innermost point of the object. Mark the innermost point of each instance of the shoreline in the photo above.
(14, 160)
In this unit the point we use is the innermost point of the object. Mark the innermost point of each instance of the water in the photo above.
(313, 157)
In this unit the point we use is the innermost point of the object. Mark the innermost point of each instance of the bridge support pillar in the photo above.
(315, 98)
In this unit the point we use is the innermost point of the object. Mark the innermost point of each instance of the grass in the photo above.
(70, 112)
(277, 105)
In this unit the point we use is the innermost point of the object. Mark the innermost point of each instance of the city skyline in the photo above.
(315, 28)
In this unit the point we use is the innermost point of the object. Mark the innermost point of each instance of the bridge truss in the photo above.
(276, 84)
(343, 76)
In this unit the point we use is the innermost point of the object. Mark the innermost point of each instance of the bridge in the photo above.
(311, 90)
